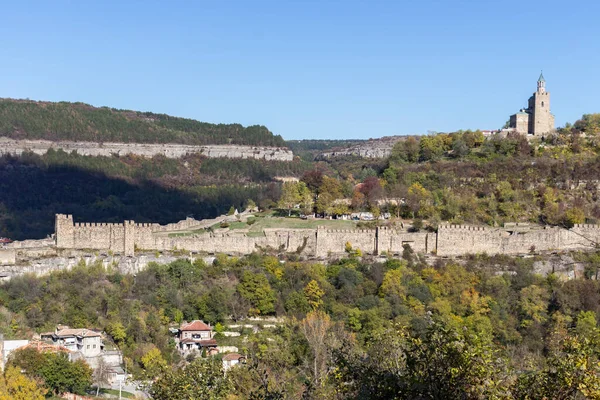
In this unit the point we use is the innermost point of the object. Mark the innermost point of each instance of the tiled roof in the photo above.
(46, 348)
(77, 332)
(196, 325)
(232, 356)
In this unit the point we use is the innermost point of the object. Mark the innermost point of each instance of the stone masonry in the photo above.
(536, 119)
(450, 240)
(11, 146)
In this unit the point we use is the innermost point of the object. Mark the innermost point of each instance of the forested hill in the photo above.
(25, 119)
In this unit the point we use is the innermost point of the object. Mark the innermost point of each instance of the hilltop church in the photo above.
(536, 119)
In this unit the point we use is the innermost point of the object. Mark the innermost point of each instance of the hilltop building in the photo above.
(536, 119)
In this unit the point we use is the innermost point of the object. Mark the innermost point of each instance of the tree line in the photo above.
(25, 119)
(355, 328)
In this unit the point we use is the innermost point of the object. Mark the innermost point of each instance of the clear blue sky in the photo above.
(308, 69)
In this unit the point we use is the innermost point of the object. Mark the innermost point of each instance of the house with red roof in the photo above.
(196, 336)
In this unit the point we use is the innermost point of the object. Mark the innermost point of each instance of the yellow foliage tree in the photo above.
(153, 362)
(16, 386)
(314, 294)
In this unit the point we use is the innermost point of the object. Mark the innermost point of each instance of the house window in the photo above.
(88, 346)
(542, 104)
(94, 346)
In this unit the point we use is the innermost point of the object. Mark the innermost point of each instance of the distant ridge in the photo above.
(59, 121)
(372, 148)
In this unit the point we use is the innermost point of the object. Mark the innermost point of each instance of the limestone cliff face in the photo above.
(373, 148)
(11, 146)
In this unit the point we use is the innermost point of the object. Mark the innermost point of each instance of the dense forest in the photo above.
(25, 119)
(487, 327)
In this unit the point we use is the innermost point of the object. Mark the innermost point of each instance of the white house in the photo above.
(88, 342)
(231, 359)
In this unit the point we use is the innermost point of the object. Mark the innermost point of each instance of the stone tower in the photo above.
(536, 119)
(65, 231)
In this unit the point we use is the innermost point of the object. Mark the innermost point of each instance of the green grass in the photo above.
(297, 223)
(262, 223)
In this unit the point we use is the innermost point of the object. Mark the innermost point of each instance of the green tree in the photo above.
(199, 380)
(405, 151)
(256, 289)
(574, 215)
(117, 331)
(290, 196)
(61, 375)
(573, 372)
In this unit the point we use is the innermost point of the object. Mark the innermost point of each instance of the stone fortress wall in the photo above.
(450, 240)
(11, 146)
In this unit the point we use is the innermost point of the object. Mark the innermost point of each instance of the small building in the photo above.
(86, 341)
(196, 336)
(116, 374)
(7, 347)
(231, 359)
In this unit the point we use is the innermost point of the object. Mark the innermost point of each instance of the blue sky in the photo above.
(308, 69)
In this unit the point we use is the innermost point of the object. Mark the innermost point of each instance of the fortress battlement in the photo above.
(586, 226)
(449, 240)
(462, 228)
(372, 231)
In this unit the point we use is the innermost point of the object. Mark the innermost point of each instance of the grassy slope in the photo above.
(263, 223)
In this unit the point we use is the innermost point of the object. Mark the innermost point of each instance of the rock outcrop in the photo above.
(11, 146)
(373, 148)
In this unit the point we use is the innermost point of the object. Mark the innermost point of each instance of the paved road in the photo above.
(131, 387)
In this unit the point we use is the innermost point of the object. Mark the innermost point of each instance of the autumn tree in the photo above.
(153, 362)
(101, 375)
(314, 294)
(16, 386)
(315, 328)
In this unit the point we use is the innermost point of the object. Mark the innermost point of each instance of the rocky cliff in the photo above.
(11, 146)
(373, 148)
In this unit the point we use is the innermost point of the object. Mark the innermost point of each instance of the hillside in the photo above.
(25, 119)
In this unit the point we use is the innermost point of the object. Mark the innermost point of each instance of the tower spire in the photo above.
(541, 83)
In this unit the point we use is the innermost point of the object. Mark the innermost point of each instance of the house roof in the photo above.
(46, 348)
(196, 325)
(81, 332)
(232, 356)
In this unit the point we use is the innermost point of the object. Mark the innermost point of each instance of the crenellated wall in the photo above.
(450, 240)
(455, 240)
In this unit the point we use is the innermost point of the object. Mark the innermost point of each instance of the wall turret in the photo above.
(65, 231)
